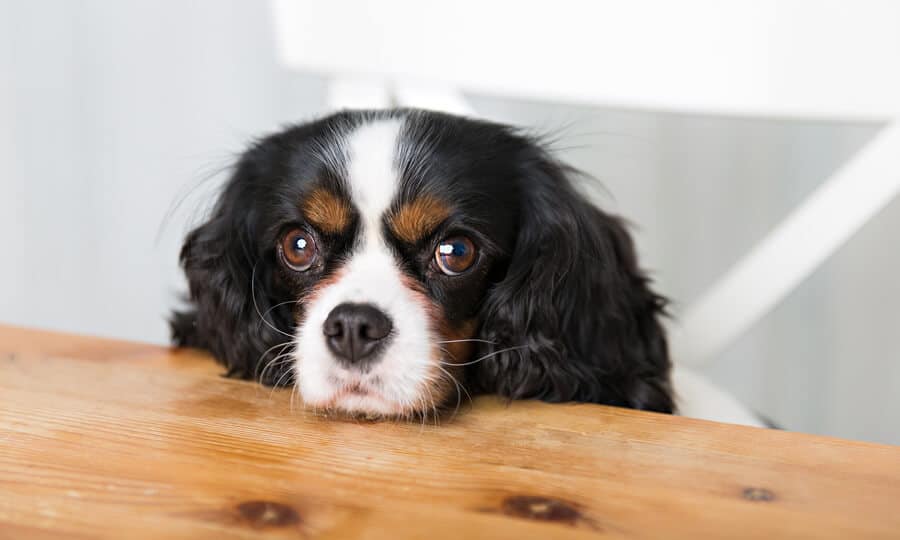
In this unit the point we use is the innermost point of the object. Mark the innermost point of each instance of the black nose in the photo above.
(355, 333)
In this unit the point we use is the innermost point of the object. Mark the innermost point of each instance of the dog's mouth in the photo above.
(360, 399)
(358, 390)
(375, 394)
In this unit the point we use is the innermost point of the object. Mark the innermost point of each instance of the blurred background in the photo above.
(118, 121)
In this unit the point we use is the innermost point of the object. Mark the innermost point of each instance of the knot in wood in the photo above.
(540, 509)
(757, 494)
(265, 514)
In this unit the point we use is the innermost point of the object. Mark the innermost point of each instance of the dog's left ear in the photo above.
(574, 318)
(234, 311)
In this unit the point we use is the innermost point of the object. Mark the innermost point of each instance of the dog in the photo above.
(391, 263)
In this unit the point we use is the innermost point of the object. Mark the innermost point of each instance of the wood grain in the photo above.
(109, 439)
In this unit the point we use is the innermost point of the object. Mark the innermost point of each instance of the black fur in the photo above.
(558, 292)
(574, 319)
(230, 277)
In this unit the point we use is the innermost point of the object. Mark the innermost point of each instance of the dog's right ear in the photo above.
(231, 285)
(575, 318)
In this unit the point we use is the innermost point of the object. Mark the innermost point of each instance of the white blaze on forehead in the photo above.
(370, 275)
(371, 173)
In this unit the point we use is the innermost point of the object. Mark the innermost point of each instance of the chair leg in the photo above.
(791, 251)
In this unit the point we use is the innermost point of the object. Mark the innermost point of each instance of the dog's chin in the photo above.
(355, 402)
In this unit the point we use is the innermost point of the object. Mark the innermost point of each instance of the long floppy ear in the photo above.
(574, 318)
(234, 310)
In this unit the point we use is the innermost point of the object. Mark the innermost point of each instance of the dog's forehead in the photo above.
(371, 173)
(405, 173)
(382, 180)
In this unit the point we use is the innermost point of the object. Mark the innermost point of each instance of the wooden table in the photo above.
(112, 439)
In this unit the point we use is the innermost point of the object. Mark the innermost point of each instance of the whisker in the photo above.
(287, 373)
(262, 374)
(495, 353)
(458, 393)
(256, 305)
(468, 341)
(279, 360)
(293, 391)
(433, 408)
(449, 354)
(426, 404)
(278, 305)
(421, 402)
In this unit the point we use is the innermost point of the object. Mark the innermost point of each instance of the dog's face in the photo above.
(388, 263)
(387, 247)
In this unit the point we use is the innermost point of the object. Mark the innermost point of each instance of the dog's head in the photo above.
(388, 263)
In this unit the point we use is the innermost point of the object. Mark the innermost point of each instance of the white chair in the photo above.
(785, 58)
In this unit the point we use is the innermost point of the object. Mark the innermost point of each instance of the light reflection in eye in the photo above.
(298, 250)
(455, 255)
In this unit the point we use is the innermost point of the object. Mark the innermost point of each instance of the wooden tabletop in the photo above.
(112, 439)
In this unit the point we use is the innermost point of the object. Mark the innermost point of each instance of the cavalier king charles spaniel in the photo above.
(388, 263)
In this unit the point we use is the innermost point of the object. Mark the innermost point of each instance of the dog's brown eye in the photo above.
(455, 255)
(298, 249)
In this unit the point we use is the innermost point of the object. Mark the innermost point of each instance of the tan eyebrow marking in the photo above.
(418, 218)
(326, 211)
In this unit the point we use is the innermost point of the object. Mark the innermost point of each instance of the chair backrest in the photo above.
(760, 57)
(787, 58)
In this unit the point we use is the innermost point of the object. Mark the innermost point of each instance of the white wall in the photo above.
(111, 112)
